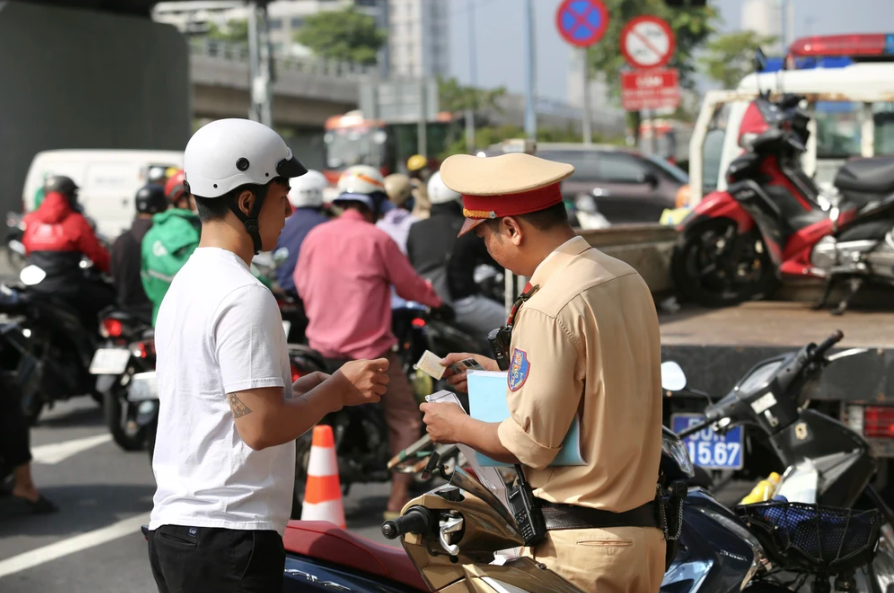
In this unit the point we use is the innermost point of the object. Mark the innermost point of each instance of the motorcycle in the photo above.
(53, 348)
(829, 469)
(770, 223)
(124, 366)
(360, 432)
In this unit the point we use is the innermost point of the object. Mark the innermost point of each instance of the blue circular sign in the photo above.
(582, 22)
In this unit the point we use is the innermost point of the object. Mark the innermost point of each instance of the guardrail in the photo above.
(238, 53)
(646, 247)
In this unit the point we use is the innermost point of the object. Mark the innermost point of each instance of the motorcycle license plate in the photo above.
(707, 448)
(109, 361)
(142, 387)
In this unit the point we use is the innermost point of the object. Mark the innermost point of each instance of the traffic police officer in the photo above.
(585, 342)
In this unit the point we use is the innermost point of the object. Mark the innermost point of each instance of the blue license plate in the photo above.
(707, 448)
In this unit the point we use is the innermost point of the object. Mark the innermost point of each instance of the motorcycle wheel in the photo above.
(114, 410)
(715, 266)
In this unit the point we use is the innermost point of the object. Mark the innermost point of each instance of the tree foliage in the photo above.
(346, 35)
(233, 32)
(692, 27)
(728, 57)
(454, 97)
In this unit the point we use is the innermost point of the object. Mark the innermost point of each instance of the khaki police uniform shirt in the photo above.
(587, 343)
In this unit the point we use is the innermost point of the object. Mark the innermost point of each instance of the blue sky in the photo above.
(499, 27)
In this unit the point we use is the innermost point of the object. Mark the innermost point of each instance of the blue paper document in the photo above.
(487, 400)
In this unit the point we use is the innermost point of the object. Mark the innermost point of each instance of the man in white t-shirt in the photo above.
(224, 457)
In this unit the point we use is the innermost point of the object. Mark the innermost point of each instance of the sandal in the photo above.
(41, 506)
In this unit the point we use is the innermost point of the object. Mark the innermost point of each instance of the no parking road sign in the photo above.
(648, 42)
(582, 22)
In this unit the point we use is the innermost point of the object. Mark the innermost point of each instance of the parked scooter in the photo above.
(124, 367)
(829, 472)
(770, 223)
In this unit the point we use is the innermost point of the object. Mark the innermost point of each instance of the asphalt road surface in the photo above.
(94, 543)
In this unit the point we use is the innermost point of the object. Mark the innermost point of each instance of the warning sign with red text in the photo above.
(650, 89)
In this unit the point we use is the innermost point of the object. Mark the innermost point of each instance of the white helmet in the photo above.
(228, 153)
(359, 183)
(307, 190)
(438, 193)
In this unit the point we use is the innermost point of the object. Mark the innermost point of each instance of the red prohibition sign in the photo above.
(648, 42)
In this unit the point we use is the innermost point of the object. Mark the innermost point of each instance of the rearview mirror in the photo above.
(650, 178)
(672, 376)
(760, 60)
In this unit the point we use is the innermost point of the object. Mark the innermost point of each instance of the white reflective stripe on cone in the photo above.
(332, 511)
(322, 462)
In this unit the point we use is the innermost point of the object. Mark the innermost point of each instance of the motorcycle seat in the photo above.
(322, 540)
(867, 175)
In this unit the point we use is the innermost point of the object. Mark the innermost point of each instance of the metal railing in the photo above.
(238, 52)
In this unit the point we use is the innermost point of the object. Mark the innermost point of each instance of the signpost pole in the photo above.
(653, 137)
(473, 78)
(585, 124)
(421, 132)
(530, 114)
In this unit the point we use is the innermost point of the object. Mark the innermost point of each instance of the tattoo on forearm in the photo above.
(239, 408)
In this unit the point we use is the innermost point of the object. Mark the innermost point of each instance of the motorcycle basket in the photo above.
(813, 538)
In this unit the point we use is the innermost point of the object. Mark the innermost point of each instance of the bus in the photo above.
(351, 139)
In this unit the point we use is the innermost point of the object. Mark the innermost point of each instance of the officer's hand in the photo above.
(308, 382)
(443, 421)
(458, 380)
(368, 378)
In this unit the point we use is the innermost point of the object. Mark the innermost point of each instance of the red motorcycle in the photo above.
(736, 245)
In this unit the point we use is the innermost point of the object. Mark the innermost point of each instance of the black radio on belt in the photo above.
(526, 510)
(499, 340)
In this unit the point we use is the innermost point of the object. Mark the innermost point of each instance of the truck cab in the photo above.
(848, 85)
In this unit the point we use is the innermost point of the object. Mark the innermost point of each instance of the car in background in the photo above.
(626, 186)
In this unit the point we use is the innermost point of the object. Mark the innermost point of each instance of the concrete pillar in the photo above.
(86, 79)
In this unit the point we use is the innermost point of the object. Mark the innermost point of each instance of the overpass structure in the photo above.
(309, 90)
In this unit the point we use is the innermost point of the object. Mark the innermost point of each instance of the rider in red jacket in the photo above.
(56, 237)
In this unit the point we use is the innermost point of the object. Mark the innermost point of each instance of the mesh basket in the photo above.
(813, 538)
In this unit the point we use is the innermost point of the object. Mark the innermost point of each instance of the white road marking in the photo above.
(72, 545)
(54, 453)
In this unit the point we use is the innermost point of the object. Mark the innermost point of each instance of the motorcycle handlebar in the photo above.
(417, 520)
(826, 344)
(694, 429)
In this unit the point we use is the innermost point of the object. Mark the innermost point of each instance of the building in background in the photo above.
(765, 18)
(418, 38)
(286, 17)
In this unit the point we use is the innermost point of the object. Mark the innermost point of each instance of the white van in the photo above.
(109, 180)
(853, 116)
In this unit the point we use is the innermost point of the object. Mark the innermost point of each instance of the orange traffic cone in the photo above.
(322, 494)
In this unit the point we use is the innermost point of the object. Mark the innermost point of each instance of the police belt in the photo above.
(565, 516)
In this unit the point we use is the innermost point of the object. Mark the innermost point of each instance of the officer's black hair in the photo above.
(542, 220)
(211, 209)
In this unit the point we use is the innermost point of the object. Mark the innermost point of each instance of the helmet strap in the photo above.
(250, 221)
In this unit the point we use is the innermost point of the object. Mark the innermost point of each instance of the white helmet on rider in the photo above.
(229, 153)
(362, 183)
(438, 193)
(307, 190)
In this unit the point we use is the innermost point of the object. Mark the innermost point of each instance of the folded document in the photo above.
(487, 400)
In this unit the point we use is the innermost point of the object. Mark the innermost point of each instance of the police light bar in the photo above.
(876, 45)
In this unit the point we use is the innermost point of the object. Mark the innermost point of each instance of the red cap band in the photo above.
(484, 207)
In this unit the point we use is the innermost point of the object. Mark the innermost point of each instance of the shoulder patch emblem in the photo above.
(518, 369)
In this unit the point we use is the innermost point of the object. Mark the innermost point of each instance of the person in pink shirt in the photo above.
(344, 276)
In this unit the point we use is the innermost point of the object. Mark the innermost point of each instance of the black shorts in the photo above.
(205, 559)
